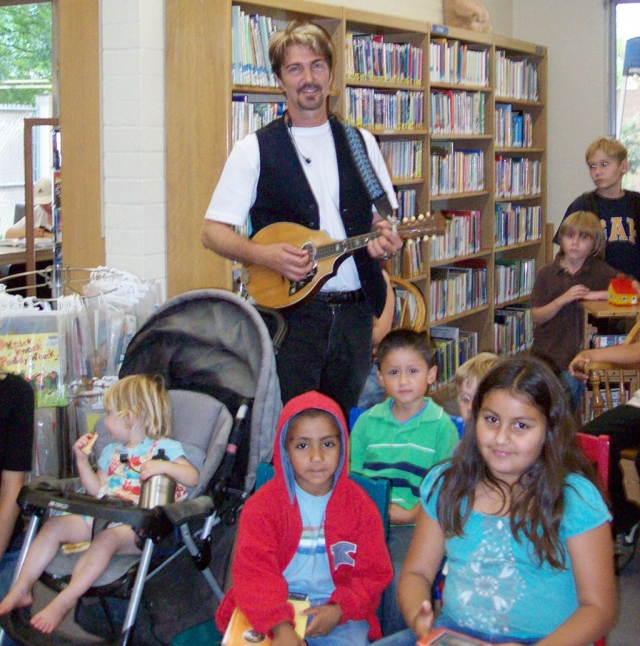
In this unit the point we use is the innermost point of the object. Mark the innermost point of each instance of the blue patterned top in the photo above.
(495, 585)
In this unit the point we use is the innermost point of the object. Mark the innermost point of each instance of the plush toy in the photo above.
(468, 14)
(621, 291)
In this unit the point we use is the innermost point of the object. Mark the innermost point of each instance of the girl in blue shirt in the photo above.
(521, 522)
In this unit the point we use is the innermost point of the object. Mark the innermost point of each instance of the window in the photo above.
(625, 103)
(26, 91)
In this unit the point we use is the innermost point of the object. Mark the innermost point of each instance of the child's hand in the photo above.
(576, 293)
(285, 635)
(153, 468)
(325, 619)
(422, 623)
(81, 442)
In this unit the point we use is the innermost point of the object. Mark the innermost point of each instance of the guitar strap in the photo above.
(372, 185)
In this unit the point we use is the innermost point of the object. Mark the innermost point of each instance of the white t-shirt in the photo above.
(236, 191)
(40, 219)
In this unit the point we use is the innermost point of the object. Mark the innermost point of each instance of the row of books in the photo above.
(516, 77)
(513, 279)
(512, 329)
(453, 347)
(462, 236)
(409, 263)
(513, 128)
(518, 176)
(605, 340)
(247, 117)
(457, 288)
(250, 35)
(401, 110)
(451, 61)
(459, 113)
(370, 58)
(407, 199)
(403, 158)
(455, 171)
(517, 223)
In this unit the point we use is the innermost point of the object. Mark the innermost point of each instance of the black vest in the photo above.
(284, 194)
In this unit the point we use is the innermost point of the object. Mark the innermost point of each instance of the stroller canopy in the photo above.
(215, 342)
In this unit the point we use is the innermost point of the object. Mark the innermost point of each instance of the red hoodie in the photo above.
(270, 529)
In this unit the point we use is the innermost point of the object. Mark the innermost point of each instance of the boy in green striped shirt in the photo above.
(401, 439)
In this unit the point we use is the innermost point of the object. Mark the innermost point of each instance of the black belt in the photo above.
(335, 298)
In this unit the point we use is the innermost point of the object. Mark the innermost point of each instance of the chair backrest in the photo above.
(379, 489)
(411, 309)
(18, 213)
(596, 448)
(619, 382)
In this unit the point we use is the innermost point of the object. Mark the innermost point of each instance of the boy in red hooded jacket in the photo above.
(310, 530)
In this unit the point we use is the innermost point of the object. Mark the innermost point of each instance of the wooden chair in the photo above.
(610, 385)
(411, 308)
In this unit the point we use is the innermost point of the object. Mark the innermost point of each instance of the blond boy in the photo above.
(617, 209)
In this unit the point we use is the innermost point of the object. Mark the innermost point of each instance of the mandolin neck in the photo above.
(345, 246)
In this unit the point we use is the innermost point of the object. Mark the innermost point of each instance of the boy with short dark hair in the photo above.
(617, 209)
(312, 531)
(401, 439)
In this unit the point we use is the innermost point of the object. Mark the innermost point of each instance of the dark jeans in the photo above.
(398, 544)
(328, 349)
(622, 425)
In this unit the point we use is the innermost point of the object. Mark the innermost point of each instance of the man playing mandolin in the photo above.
(301, 169)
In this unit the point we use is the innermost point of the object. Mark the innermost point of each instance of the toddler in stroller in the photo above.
(216, 356)
(139, 423)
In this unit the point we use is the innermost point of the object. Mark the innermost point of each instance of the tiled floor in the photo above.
(627, 631)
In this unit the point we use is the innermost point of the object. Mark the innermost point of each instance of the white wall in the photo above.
(133, 136)
(575, 33)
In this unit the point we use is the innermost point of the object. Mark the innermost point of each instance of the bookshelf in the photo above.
(460, 117)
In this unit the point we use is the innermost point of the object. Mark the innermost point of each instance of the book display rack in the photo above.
(461, 121)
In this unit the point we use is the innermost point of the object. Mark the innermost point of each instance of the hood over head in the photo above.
(313, 399)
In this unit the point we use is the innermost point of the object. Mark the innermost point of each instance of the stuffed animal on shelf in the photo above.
(468, 14)
(621, 291)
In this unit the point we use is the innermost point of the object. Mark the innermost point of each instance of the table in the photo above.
(604, 310)
(18, 255)
(10, 255)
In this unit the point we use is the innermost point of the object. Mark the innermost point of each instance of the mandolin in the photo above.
(271, 289)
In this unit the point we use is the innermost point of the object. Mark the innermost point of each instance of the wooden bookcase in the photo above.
(199, 96)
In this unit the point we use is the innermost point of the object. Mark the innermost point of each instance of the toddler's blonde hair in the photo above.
(146, 398)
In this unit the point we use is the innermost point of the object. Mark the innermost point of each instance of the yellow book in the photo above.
(240, 633)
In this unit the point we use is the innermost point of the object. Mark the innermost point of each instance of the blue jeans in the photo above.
(398, 544)
(7, 568)
(328, 348)
(352, 633)
(372, 392)
(575, 388)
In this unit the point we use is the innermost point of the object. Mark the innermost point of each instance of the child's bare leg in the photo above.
(117, 540)
(70, 528)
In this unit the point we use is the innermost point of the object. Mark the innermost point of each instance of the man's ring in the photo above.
(385, 257)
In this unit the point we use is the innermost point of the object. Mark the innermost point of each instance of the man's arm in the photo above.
(10, 486)
(289, 261)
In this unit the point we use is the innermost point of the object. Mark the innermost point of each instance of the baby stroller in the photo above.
(216, 355)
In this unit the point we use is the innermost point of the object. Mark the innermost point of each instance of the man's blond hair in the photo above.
(302, 33)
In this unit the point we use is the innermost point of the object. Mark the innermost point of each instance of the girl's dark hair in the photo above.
(536, 501)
